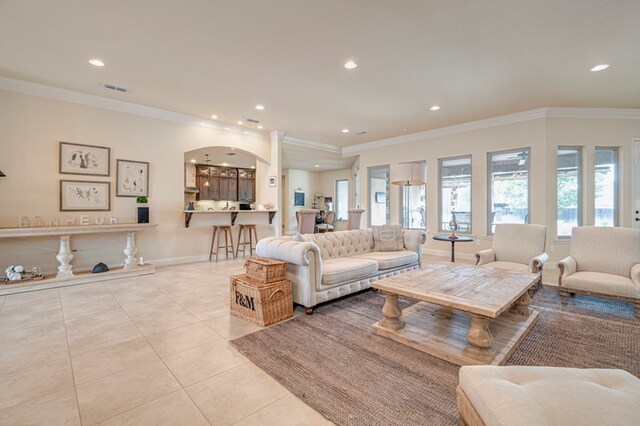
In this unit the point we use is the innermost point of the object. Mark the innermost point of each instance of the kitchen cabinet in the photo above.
(225, 184)
(246, 185)
(228, 184)
(208, 183)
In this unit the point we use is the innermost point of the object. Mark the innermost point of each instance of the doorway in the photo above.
(635, 187)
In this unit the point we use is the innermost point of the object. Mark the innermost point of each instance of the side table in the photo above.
(459, 239)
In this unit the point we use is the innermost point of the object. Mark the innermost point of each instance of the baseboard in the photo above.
(179, 260)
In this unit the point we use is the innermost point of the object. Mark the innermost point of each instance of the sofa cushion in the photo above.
(599, 282)
(609, 250)
(343, 269)
(552, 396)
(508, 266)
(390, 259)
(387, 238)
(343, 243)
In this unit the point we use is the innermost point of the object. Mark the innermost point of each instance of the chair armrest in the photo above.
(485, 256)
(535, 265)
(635, 274)
(567, 267)
(413, 240)
(295, 252)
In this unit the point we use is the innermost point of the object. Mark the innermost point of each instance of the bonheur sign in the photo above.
(83, 219)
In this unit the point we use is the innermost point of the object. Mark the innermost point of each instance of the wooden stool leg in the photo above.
(255, 234)
(233, 253)
(250, 243)
(218, 246)
(240, 228)
(213, 240)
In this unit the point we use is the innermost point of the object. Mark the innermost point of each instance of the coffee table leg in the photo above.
(480, 339)
(521, 306)
(392, 312)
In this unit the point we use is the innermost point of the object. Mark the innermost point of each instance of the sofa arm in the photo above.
(567, 267)
(295, 252)
(536, 264)
(413, 240)
(635, 274)
(485, 256)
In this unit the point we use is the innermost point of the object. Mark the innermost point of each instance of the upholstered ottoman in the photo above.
(491, 395)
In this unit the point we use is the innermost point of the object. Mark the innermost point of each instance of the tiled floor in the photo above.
(138, 351)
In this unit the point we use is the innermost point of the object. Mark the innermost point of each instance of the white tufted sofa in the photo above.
(335, 264)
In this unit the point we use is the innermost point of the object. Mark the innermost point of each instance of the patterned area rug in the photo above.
(333, 362)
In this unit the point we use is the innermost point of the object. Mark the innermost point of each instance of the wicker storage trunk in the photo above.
(261, 303)
(265, 270)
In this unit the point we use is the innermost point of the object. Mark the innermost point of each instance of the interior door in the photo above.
(635, 188)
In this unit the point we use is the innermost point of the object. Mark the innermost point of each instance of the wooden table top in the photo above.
(482, 291)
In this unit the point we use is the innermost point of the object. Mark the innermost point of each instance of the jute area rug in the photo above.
(334, 363)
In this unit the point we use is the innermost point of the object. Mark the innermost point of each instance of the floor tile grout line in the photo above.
(262, 408)
(73, 375)
(163, 363)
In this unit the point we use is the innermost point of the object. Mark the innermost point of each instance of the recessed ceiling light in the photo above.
(96, 62)
(434, 108)
(405, 130)
(259, 126)
(345, 130)
(253, 167)
(350, 65)
(600, 67)
(232, 149)
(259, 107)
(215, 117)
(202, 123)
(225, 164)
(239, 121)
(193, 160)
(317, 165)
(246, 133)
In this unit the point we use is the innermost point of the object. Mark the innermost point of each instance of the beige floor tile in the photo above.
(34, 382)
(230, 396)
(60, 408)
(231, 327)
(182, 338)
(147, 306)
(120, 392)
(209, 311)
(27, 352)
(173, 409)
(111, 359)
(89, 308)
(32, 301)
(194, 365)
(101, 336)
(170, 318)
(287, 411)
(10, 319)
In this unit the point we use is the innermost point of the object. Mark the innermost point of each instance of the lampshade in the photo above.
(408, 174)
(2, 174)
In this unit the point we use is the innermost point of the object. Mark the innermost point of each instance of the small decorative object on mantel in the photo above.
(143, 209)
(269, 205)
(14, 272)
(99, 268)
(453, 226)
(190, 207)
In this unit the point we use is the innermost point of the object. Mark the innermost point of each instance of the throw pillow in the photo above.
(300, 238)
(387, 238)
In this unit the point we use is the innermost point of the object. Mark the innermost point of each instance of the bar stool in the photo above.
(217, 231)
(242, 231)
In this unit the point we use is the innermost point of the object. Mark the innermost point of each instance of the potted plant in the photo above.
(143, 209)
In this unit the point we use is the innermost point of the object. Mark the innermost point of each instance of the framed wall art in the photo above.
(76, 195)
(272, 180)
(132, 178)
(77, 159)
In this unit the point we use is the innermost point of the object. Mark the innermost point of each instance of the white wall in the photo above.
(328, 189)
(309, 183)
(543, 136)
(31, 128)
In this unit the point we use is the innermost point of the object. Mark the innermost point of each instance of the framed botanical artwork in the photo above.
(272, 181)
(77, 159)
(76, 195)
(132, 178)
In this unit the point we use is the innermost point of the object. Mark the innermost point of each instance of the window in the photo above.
(509, 188)
(568, 193)
(342, 199)
(415, 216)
(606, 187)
(455, 193)
(378, 195)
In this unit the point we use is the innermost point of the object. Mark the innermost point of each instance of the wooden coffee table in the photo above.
(467, 315)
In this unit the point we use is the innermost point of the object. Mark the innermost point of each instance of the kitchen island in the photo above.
(226, 217)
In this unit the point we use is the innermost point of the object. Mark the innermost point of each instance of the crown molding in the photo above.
(292, 141)
(66, 95)
(613, 113)
(549, 112)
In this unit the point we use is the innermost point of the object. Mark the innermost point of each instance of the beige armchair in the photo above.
(603, 262)
(516, 247)
(306, 220)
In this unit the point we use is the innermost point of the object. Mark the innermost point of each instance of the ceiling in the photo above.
(221, 157)
(307, 158)
(203, 57)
